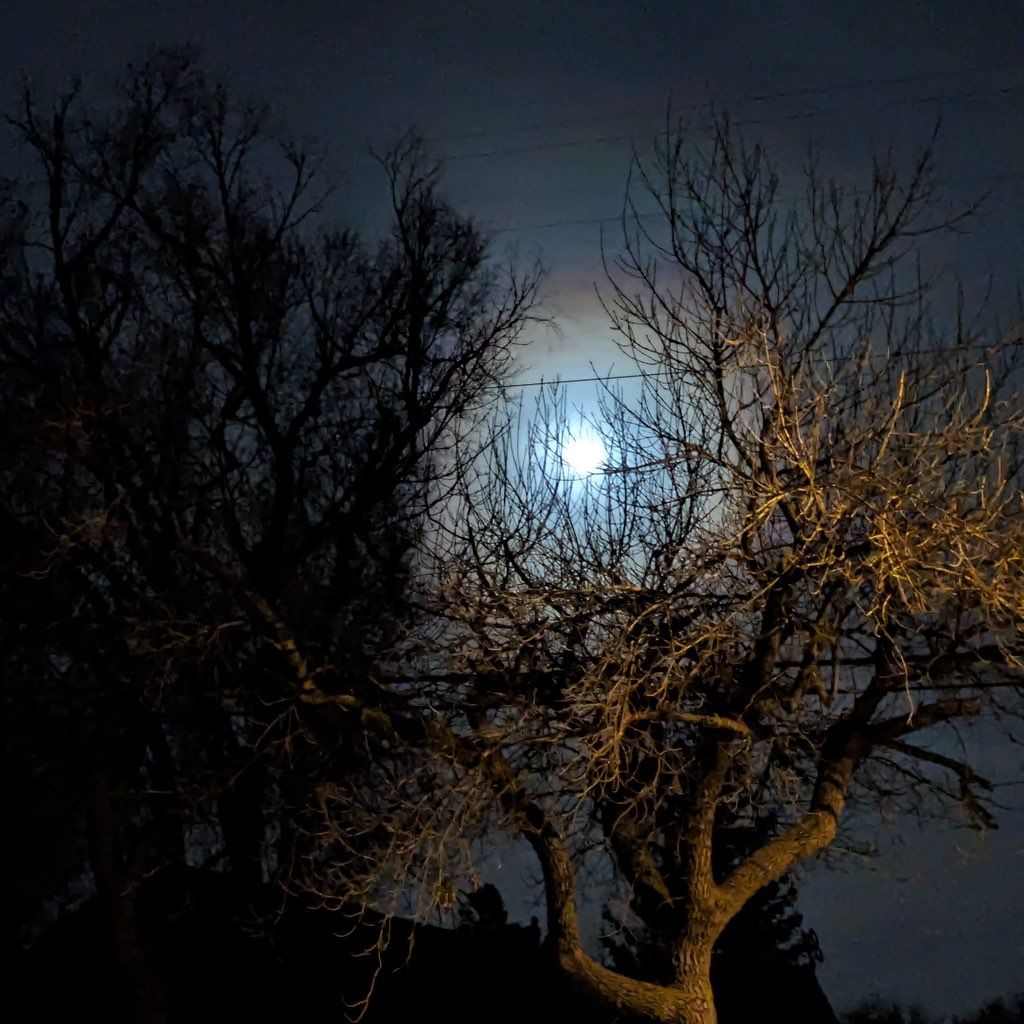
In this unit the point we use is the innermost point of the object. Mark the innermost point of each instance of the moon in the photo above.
(584, 454)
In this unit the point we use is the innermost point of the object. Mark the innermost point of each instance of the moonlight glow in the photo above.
(584, 454)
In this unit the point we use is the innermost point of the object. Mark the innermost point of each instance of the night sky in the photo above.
(535, 107)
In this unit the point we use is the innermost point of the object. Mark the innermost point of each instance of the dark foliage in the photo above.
(224, 431)
(998, 1011)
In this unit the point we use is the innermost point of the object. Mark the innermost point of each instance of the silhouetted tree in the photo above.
(877, 1012)
(224, 429)
(998, 1011)
(874, 1011)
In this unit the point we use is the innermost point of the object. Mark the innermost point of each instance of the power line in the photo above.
(948, 99)
(970, 179)
(603, 378)
(575, 380)
(951, 99)
(763, 97)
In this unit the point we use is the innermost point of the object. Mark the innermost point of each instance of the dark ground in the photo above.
(304, 969)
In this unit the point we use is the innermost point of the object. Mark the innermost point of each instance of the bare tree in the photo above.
(800, 562)
(224, 428)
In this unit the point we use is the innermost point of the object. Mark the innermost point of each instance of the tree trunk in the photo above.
(243, 824)
(688, 1001)
(140, 983)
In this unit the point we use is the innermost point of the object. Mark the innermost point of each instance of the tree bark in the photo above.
(140, 984)
(688, 1000)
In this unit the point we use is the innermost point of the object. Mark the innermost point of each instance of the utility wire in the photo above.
(602, 378)
(948, 99)
(969, 179)
(762, 97)
(558, 381)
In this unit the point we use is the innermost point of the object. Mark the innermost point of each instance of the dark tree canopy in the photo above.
(225, 430)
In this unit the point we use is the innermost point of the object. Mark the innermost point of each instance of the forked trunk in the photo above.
(688, 1001)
